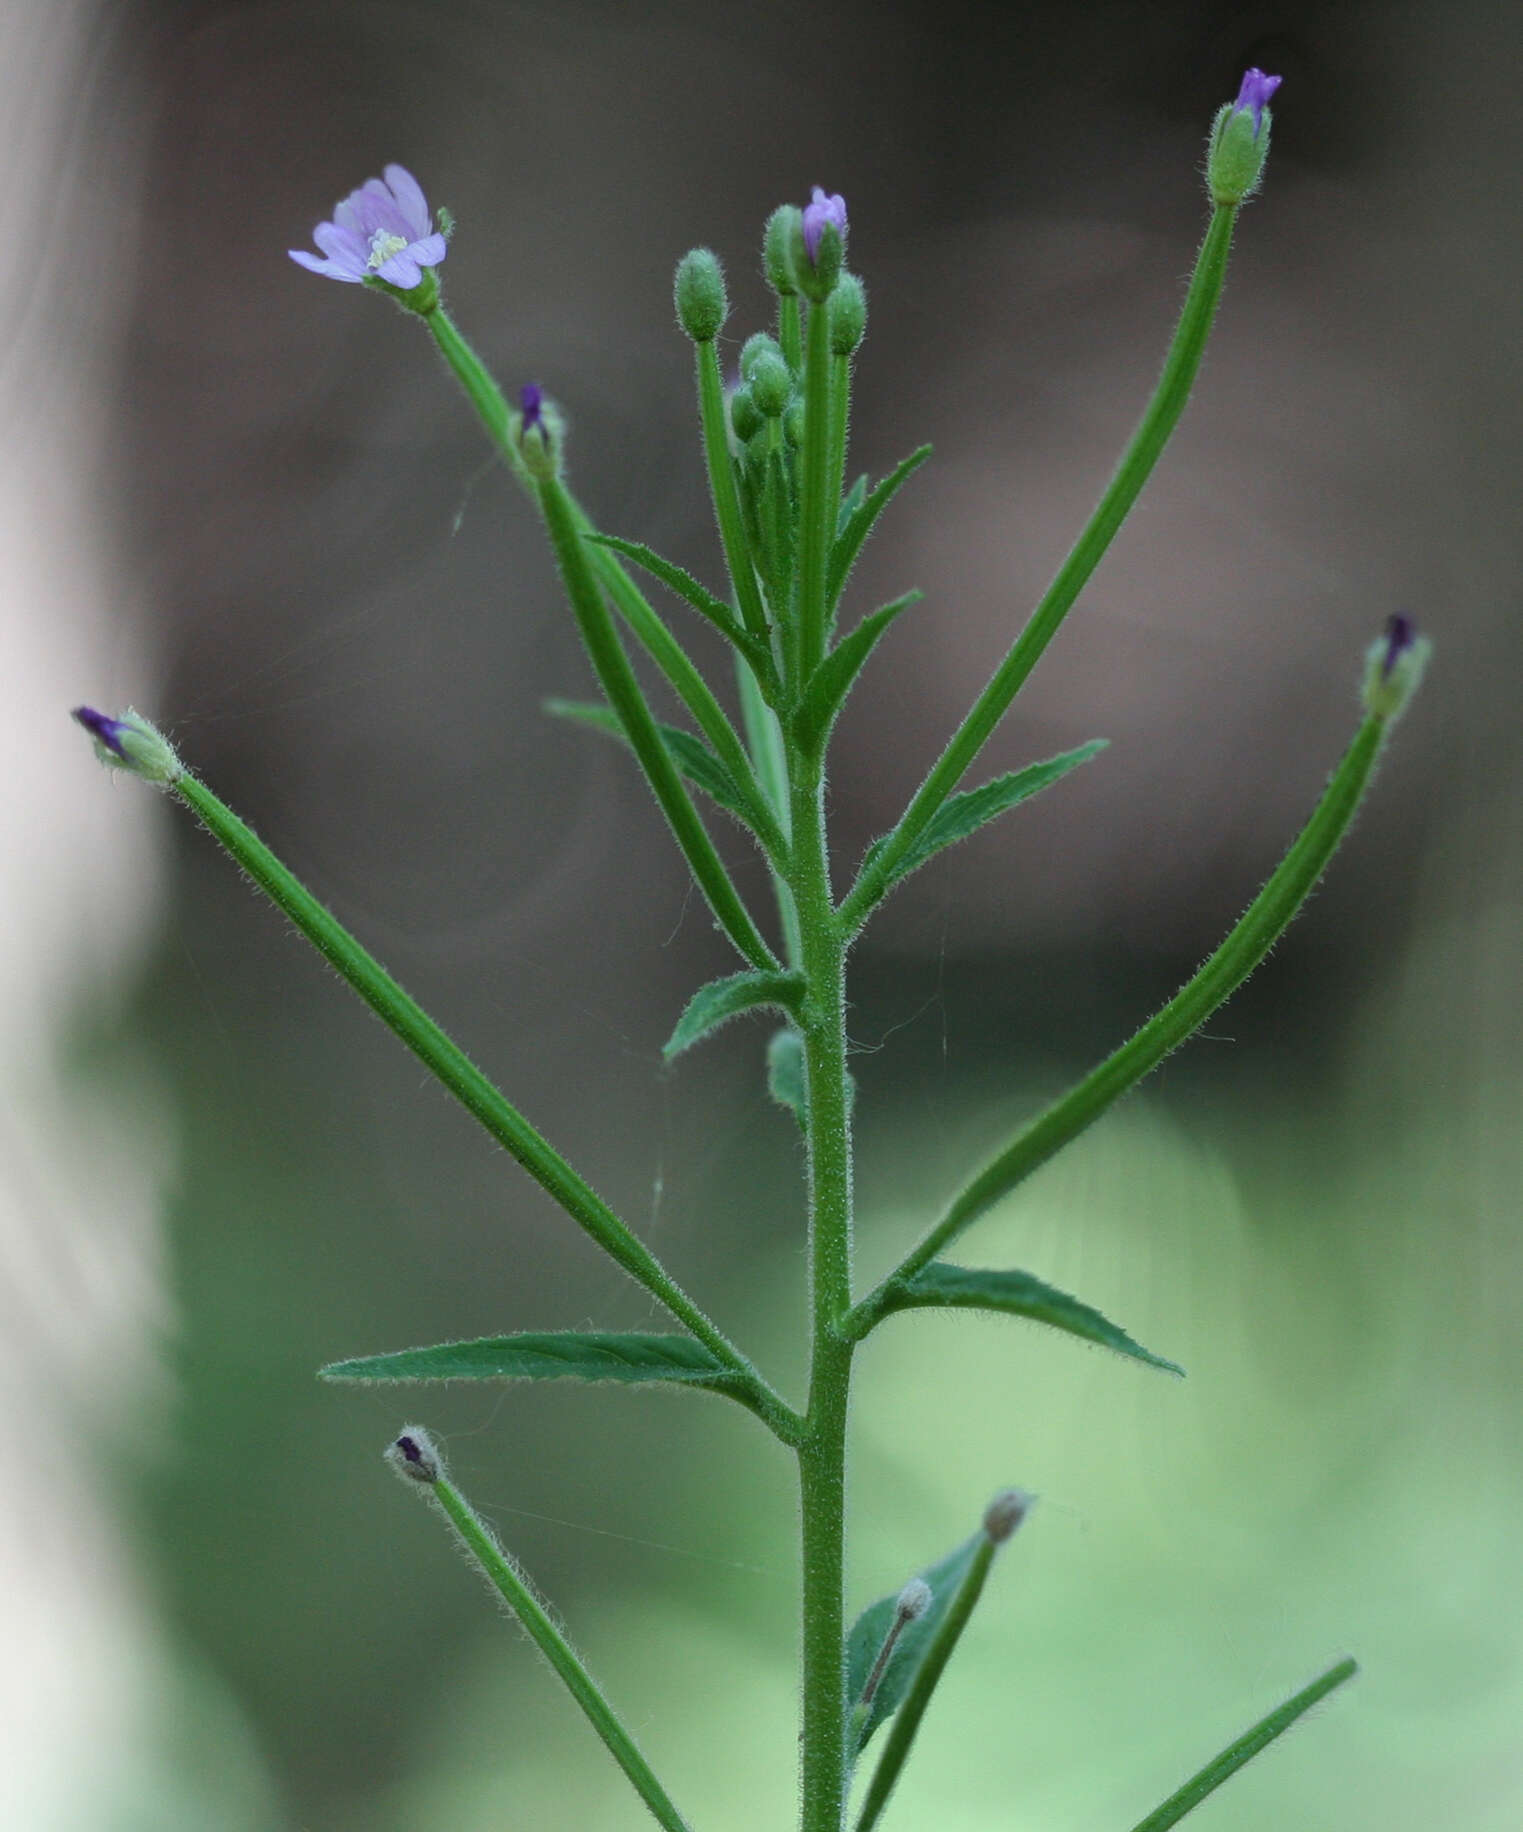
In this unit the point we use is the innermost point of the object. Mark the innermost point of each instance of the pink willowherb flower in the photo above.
(382, 231)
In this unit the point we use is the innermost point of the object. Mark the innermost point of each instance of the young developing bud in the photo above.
(848, 315)
(782, 226)
(793, 424)
(1239, 142)
(536, 433)
(702, 304)
(1005, 1513)
(914, 1601)
(131, 743)
(759, 344)
(771, 384)
(414, 1455)
(817, 246)
(1393, 668)
(745, 417)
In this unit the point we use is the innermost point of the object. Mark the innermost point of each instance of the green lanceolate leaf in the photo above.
(964, 814)
(691, 755)
(859, 524)
(775, 529)
(721, 1000)
(850, 503)
(941, 1286)
(786, 1081)
(686, 588)
(828, 686)
(867, 1632)
(559, 1355)
(1235, 1755)
(785, 1071)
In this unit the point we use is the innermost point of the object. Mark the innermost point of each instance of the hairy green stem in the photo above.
(1136, 466)
(583, 587)
(476, 379)
(1262, 924)
(840, 424)
(672, 659)
(444, 1057)
(817, 512)
(790, 333)
(764, 735)
(503, 1575)
(1235, 1755)
(732, 527)
(822, 1451)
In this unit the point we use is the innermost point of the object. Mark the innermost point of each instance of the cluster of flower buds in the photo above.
(803, 252)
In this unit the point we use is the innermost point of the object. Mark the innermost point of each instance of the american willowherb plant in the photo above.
(775, 446)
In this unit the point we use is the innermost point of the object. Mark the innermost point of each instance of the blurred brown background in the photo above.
(311, 572)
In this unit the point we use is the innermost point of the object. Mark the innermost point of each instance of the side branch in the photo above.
(1265, 920)
(444, 1057)
(1136, 466)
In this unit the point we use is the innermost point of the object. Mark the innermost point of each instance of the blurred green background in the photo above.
(316, 579)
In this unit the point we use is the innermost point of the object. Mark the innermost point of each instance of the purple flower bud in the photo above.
(819, 211)
(103, 729)
(383, 231)
(1253, 96)
(531, 399)
(413, 1454)
(131, 743)
(1401, 635)
(1393, 667)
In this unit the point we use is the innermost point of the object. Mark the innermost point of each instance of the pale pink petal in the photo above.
(429, 251)
(410, 200)
(401, 270)
(329, 269)
(381, 210)
(341, 246)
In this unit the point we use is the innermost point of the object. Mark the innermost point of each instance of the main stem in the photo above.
(822, 1448)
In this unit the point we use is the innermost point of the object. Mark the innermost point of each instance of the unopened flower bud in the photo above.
(848, 315)
(914, 1600)
(1239, 142)
(702, 304)
(760, 343)
(1005, 1513)
(793, 424)
(817, 246)
(131, 743)
(782, 226)
(1393, 668)
(414, 1455)
(536, 431)
(771, 384)
(745, 416)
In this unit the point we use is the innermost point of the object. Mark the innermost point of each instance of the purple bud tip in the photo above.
(531, 398)
(1253, 96)
(1401, 634)
(412, 1454)
(819, 211)
(104, 730)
